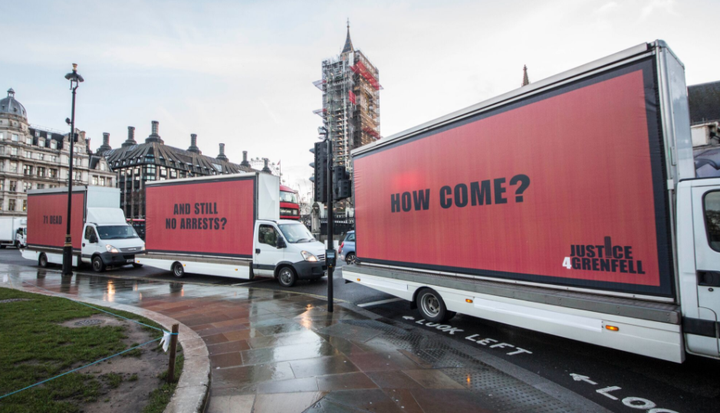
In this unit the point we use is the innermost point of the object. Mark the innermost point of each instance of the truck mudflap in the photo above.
(309, 270)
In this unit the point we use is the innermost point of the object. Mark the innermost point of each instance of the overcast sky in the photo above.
(241, 72)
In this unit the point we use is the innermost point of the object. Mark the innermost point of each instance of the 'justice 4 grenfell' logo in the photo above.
(605, 257)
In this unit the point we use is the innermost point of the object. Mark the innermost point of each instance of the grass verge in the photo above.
(36, 347)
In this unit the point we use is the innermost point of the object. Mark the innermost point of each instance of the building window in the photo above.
(1, 136)
(41, 171)
(173, 173)
(13, 151)
(40, 186)
(15, 137)
(41, 156)
(11, 205)
(27, 186)
(2, 186)
(109, 182)
(29, 141)
(24, 204)
(94, 180)
(13, 186)
(41, 142)
(13, 166)
(53, 158)
(27, 170)
(53, 173)
(53, 145)
(102, 181)
(28, 154)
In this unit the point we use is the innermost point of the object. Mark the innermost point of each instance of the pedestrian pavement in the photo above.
(280, 351)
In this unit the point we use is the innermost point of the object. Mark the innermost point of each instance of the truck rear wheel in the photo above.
(97, 264)
(42, 260)
(432, 307)
(178, 270)
(287, 277)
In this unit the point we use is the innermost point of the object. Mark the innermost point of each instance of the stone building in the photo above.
(38, 158)
(138, 163)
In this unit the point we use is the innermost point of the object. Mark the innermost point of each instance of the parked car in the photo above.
(347, 248)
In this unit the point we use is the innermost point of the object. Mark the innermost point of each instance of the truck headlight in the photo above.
(112, 249)
(308, 256)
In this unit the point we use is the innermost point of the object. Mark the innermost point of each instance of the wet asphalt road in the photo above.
(619, 381)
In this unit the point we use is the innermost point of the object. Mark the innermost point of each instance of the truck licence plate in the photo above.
(129, 261)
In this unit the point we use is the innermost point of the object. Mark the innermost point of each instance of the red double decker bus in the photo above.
(289, 207)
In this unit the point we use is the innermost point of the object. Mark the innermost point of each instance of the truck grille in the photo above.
(321, 257)
(133, 249)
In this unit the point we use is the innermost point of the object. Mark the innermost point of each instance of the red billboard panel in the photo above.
(47, 219)
(208, 217)
(565, 187)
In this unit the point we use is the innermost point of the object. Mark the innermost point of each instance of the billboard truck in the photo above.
(227, 226)
(569, 206)
(12, 230)
(100, 235)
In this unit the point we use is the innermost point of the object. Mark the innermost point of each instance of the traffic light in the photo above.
(342, 185)
(321, 177)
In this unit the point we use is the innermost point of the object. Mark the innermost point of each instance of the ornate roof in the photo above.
(11, 106)
(156, 153)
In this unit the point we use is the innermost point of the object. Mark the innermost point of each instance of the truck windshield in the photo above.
(116, 232)
(296, 233)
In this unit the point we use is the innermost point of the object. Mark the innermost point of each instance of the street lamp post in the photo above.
(75, 80)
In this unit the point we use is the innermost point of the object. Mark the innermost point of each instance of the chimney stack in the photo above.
(154, 137)
(245, 161)
(266, 169)
(131, 137)
(193, 144)
(222, 156)
(105, 145)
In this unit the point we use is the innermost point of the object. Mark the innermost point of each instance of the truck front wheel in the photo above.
(178, 270)
(287, 277)
(42, 260)
(97, 264)
(432, 307)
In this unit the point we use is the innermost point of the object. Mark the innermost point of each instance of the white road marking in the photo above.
(390, 300)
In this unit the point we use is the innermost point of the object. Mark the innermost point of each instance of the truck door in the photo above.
(266, 254)
(89, 243)
(706, 226)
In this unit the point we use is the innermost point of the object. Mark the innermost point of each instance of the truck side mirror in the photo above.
(93, 239)
(281, 243)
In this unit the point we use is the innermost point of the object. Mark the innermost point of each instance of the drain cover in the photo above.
(88, 322)
(12, 300)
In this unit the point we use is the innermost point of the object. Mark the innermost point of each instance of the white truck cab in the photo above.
(287, 250)
(108, 240)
